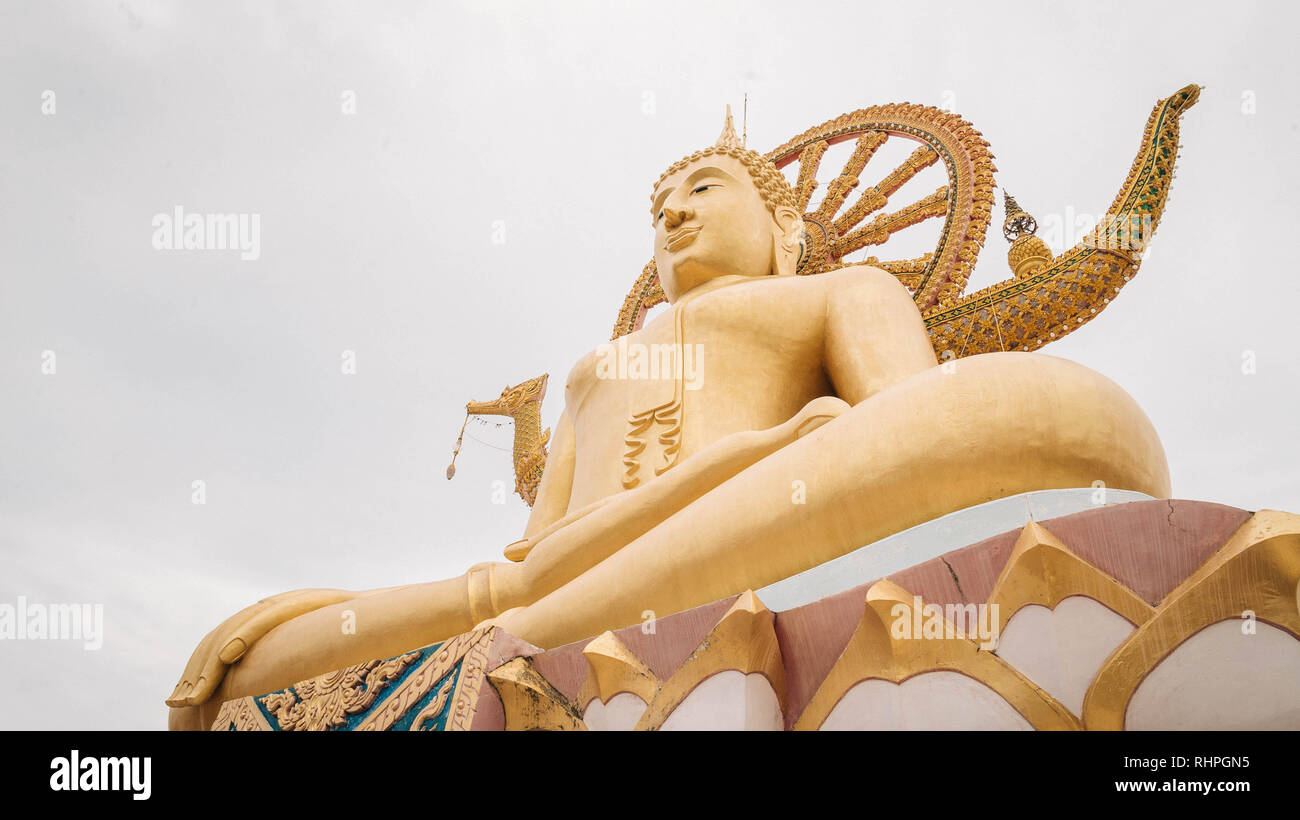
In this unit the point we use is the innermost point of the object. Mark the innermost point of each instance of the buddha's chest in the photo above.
(699, 372)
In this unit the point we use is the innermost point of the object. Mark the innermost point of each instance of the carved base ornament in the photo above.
(432, 689)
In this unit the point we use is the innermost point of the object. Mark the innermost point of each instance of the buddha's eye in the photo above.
(701, 189)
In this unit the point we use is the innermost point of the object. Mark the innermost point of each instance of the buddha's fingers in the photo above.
(282, 608)
(228, 642)
(186, 684)
(192, 678)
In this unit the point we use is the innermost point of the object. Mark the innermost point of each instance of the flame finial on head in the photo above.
(772, 185)
(728, 138)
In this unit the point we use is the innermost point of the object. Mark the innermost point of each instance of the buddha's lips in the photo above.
(680, 238)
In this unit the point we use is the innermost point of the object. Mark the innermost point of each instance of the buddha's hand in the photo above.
(816, 413)
(229, 641)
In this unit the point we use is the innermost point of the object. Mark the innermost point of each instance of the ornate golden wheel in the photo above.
(835, 228)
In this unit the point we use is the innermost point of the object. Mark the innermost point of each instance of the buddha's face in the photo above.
(710, 221)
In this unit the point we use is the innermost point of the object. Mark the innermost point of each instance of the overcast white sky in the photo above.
(377, 237)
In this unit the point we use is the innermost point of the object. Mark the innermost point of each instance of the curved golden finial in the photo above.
(1050, 299)
(1028, 253)
(1017, 222)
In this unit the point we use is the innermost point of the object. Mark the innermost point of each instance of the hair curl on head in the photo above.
(771, 183)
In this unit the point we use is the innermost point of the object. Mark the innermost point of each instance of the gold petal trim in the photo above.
(744, 639)
(873, 653)
(1257, 569)
(1044, 571)
(530, 701)
(611, 669)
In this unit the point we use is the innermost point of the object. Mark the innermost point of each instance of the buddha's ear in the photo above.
(787, 241)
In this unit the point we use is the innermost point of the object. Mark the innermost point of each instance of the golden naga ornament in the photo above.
(523, 404)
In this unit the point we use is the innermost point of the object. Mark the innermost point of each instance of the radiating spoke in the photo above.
(900, 266)
(838, 189)
(809, 161)
(877, 196)
(880, 228)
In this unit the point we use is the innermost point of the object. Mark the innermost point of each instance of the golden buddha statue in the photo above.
(801, 417)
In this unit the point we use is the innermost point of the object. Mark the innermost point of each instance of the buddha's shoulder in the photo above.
(818, 287)
(851, 286)
(583, 374)
(859, 276)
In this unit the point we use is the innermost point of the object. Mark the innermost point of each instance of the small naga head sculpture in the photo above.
(724, 211)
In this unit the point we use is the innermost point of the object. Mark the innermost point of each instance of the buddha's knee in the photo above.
(1050, 418)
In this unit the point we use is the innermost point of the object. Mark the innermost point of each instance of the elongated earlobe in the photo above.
(788, 242)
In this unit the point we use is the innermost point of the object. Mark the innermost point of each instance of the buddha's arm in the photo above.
(291, 637)
(875, 337)
(232, 638)
(587, 536)
(557, 480)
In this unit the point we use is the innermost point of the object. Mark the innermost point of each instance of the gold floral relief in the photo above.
(327, 701)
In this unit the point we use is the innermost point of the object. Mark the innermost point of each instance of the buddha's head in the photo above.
(724, 211)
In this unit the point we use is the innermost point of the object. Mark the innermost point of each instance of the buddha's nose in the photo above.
(676, 216)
